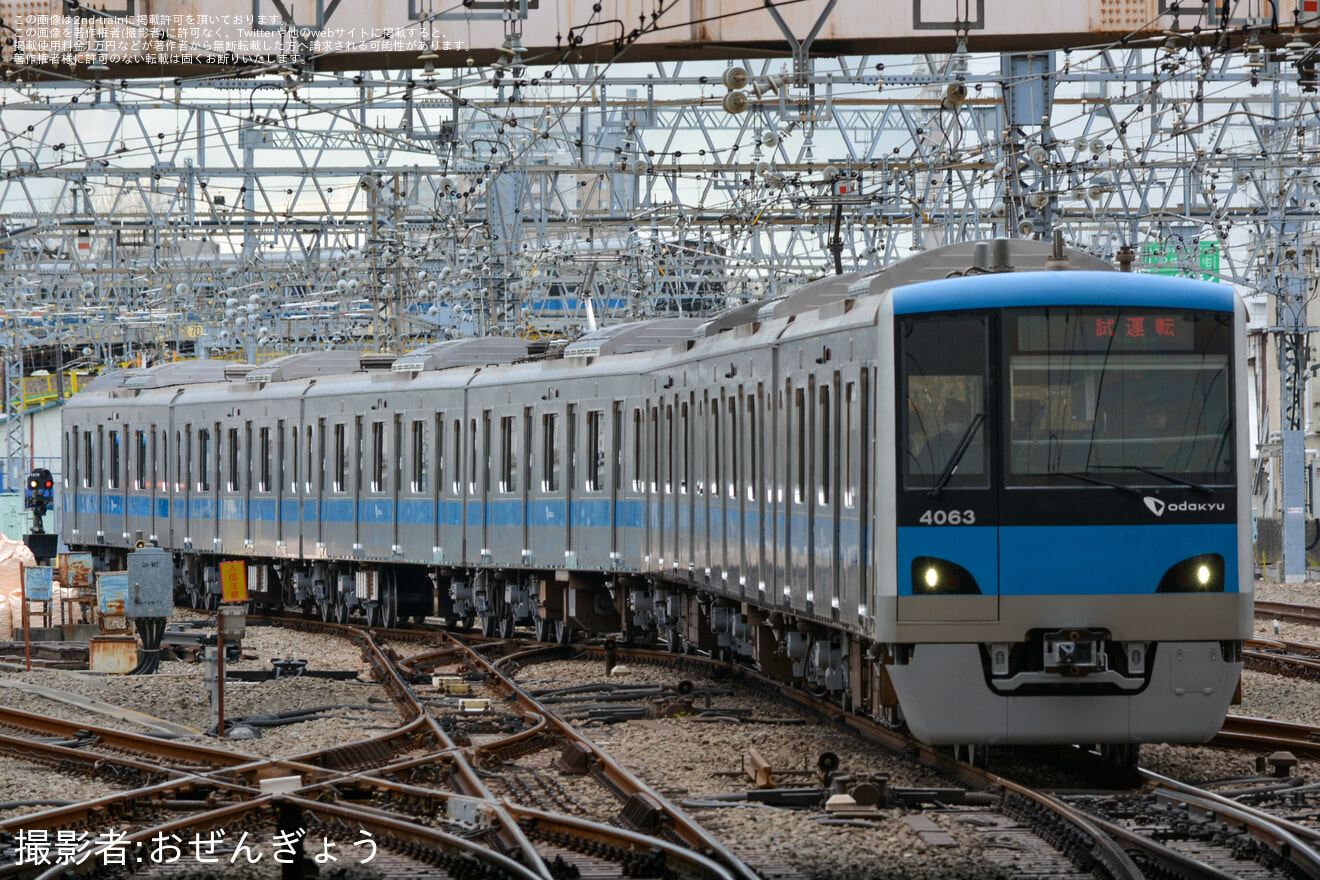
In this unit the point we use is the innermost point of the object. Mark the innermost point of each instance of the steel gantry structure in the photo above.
(261, 207)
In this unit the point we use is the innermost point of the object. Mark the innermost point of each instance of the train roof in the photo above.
(461, 353)
(634, 336)
(308, 365)
(190, 372)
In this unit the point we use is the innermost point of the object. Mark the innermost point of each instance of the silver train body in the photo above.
(745, 486)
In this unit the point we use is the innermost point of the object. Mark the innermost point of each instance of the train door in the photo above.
(754, 494)
(508, 511)
(480, 479)
(316, 481)
(683, 553)
(183, 475)
(375, 496)
(797, 507)
(570, 484)
(593, 522)
(947, 512)
(618, 524)
(852, 534)
(525, 543)
(160, 478)
(826, 503)
(290, 512)
(713, 464)
(116, 526)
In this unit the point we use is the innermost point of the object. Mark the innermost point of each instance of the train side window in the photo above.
(263, 460)
(823, 419)
(418, 453)
(849, 443)
(293, 459)
(717, 449)
(472, 456)
(315, 464)
(235, 484)
(69, 446)
(140, 455)
(340, 458)
(378, 456)
(942, 393)
(800, 444)
(457, 451)
(183, 445)
(508, 454)
(89, 456)
(735, 450)
(686, 450)
(637, 449)
(204, 460)
(595, 450)
(112, 480)
(160, 453)
(550, 455)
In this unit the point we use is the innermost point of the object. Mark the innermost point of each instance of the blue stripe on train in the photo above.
(1024, 289)
(1067, 560)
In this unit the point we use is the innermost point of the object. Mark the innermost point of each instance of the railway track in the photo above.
(459, 792)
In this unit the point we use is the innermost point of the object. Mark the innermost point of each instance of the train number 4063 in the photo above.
(948, 518)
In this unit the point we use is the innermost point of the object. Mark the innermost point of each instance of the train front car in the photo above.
(1070, 558)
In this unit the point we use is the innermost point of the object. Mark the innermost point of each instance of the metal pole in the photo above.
(220, 681)
(27, 630)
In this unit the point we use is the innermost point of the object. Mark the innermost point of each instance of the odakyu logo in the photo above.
(1157, 507)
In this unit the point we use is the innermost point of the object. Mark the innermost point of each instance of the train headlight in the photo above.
(1196, 574)
(932, 576)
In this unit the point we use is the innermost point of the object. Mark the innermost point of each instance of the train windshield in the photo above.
(1124, 395)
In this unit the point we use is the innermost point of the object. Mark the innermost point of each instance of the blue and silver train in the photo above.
(994, 493)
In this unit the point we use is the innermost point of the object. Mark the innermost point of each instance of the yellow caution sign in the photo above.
(233, 581)
(194, 331)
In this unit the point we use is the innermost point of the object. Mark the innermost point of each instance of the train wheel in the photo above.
(506, 627)
(210, 601)
(388, 610)
(194, 596)
(545, 629)
(341, 611)
(1125, 755)
(326, 609)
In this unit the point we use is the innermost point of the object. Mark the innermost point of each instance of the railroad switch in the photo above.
(288, 668)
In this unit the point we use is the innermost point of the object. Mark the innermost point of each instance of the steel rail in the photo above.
(137, 743)
(1292, 842)
(1288, 611)
(683, 826)
(1103, 849)
(1240, 731)
(124, 806)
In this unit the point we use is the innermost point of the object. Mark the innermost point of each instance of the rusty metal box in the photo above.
(116, 655)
